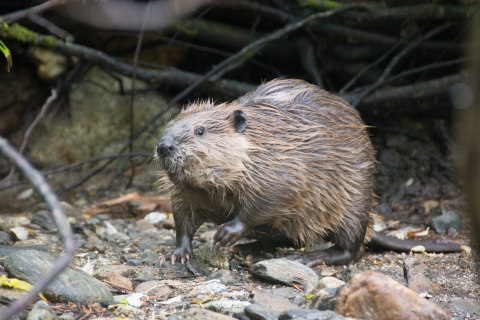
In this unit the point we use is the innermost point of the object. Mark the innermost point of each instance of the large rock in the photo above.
(374, 296)
(71, 285)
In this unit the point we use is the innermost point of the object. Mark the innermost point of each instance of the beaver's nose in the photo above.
(165, 147)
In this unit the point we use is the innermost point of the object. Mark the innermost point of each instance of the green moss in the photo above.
(25, 35)
(49, 41)
(329, 4)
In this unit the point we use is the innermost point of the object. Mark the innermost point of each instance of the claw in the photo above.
(182, 260)
(187, 256)
(172, 260)
(161, 260)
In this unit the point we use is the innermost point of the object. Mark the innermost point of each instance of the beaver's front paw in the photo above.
(230, 232)
(182, 252)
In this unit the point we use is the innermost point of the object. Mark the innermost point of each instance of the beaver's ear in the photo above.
(239, 120)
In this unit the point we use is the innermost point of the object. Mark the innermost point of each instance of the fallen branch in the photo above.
(80, 164)
(17, 15)
(422, 98)
(376, 38)
(43, 188)
(170, 76)
(410, 13)
(396, 60)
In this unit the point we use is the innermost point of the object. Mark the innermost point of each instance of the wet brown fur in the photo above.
(304, 164)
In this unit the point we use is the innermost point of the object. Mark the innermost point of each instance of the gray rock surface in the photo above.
(449, 219)
(325, 299)
(310, 315)
(286, 272)
(258, 312)
(71, 285)
(228, 307)
(202, 314)
(273, 302)
(42, 311)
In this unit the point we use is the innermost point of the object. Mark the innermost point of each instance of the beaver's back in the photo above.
(312, 157)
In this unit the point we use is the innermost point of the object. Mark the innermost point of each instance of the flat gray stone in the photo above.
(273, 302)
(202, 314)
(310, 315)
(258, 312)
(228, 307)
(286, 272)
(71, 285)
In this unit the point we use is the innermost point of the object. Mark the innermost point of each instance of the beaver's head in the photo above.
(205, 147)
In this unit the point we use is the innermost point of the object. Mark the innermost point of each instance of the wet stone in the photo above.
(5, 238)
(155, 289)
(71, 285)
(325, 299)
(258, 312)
(228, 307)
(149, 257)
(80, 243)
(202, 314)
(224, 276)
(197, 267)
(146, 274)
(133, 262)
(273, 302)
(11, 222)
(449, 219)
(295, 297)
(42, 311)
(311, 315)
(286, 272)
(44, 219)
(91, 255)
(119, 238)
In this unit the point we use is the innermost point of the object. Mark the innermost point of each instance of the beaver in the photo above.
(287, 161)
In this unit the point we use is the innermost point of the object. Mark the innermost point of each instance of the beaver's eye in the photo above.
(200, 131)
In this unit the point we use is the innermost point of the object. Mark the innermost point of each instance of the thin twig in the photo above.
(17, 15)
(50, 26)
(28, 133)
(81, 163)
(308, 60)
(396, 60)
(370, 66)
(43, 188)
(431, 66)
(132, 94)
